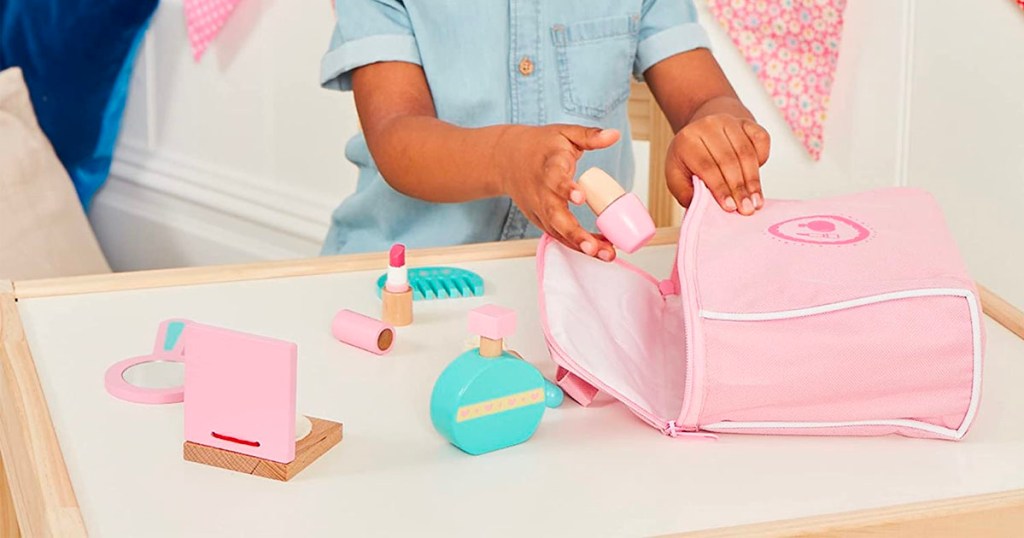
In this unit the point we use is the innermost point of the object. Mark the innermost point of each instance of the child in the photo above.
(477, 116)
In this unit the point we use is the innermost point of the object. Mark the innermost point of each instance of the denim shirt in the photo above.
(488, 62)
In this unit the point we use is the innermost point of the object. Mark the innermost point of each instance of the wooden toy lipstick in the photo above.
(396, 297)
(621, 216)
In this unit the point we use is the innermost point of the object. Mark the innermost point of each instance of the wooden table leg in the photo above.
(1002, 311)
(8, 518)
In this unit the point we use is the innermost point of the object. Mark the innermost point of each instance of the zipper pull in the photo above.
(672, 430)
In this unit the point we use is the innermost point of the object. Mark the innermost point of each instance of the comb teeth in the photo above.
(476, 288)
(440, 283)
(443, 292)
(454, 291)
(424, 290)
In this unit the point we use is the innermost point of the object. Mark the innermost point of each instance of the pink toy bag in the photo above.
(851, 315)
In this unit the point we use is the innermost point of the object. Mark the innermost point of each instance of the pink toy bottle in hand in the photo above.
(621, 216)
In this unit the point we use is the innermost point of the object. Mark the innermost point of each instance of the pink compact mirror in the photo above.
(157, 378)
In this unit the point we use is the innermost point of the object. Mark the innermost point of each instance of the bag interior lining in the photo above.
(615, 324)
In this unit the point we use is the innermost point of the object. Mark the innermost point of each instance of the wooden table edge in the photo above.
(41, 490)
(993, 305)
(161, 278)
(989, 514)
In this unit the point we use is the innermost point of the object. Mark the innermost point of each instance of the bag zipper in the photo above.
(686, 262)
(667, 427)
(672, 430)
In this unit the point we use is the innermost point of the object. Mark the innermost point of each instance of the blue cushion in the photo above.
(77, 56)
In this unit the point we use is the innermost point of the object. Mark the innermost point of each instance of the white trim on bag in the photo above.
(832, 307)
(972, 408)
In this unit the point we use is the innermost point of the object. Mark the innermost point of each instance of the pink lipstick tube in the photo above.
(621, 216)
(396, 297)
(363, 332)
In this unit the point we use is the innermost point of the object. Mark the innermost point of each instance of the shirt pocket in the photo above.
(595, 61)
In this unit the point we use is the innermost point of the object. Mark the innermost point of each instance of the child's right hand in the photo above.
(537, 166)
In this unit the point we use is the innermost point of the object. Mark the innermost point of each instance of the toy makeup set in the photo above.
(238, 391)
(398, 288)
(851, 315)
(487, 398)
(845, 316)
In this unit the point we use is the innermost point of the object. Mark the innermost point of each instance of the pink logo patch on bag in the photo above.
(820, 230)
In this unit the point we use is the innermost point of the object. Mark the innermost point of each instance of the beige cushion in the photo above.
(43, 230)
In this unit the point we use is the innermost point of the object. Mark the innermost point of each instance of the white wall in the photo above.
(240, 157)
(236, 158)
(967, 131)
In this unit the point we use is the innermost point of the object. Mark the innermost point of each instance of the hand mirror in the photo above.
(157, 378)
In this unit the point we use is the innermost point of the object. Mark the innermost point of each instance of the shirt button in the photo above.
(526, 66)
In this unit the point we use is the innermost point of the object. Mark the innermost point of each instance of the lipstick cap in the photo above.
(363, 332)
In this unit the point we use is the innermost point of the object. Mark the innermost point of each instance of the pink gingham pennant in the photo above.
(205, 18)
(793, 47)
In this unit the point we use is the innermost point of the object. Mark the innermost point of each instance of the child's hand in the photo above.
(537, 166)
(726, 152)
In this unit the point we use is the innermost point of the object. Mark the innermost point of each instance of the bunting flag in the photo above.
(204, 19)
(1020, 3)
(793, 47)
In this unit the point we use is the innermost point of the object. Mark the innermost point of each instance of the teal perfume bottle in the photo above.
(487, 398)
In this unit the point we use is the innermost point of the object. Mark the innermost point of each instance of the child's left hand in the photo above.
(726, 151)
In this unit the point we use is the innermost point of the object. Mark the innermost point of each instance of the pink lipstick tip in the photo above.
(397, 255)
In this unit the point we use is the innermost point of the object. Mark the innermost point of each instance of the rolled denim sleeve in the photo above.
(368, 31)
(667, 27)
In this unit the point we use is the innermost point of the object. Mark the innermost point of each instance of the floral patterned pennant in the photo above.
(793, 47)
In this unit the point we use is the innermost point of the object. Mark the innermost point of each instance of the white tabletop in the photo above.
(587, 472)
